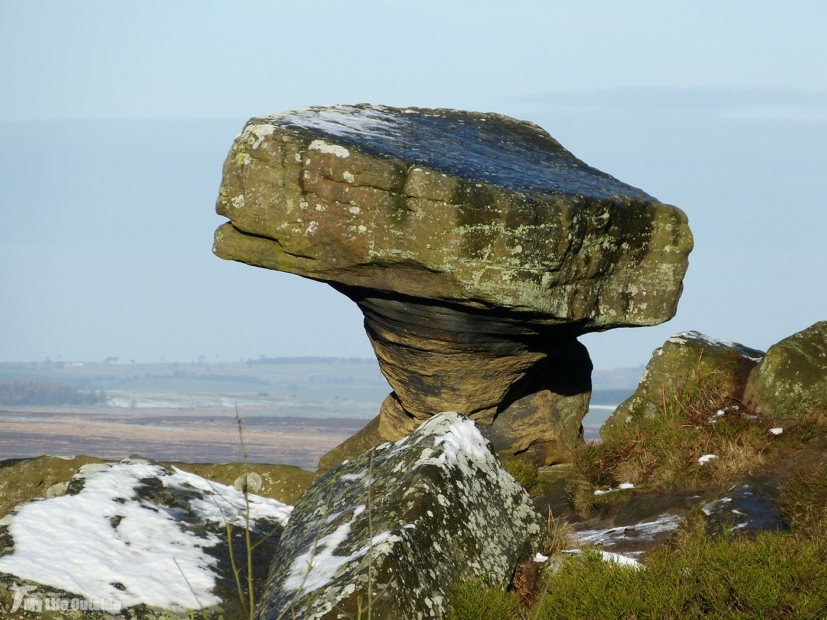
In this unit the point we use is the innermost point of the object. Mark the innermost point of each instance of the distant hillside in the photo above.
(45, 393)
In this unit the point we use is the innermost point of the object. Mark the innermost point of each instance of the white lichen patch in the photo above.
(333, 149)
(255, 134)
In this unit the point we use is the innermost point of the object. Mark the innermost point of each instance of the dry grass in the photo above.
(662, 452)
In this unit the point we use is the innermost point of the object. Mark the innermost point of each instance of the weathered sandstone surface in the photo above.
(477, 247)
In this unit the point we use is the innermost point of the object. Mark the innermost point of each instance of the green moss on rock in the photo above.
(791, 381)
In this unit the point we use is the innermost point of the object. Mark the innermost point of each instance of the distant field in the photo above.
(294, 409)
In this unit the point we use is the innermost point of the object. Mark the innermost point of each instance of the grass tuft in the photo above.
(472, 600)
(804, 501)
(524, 472)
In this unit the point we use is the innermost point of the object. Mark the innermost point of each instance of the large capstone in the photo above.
(476, 246)
(394, 528)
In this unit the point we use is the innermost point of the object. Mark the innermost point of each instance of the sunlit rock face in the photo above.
(394, 528)
(476, 246)
(791, 381)
(682, 357)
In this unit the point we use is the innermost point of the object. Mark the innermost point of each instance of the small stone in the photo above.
(252, 484)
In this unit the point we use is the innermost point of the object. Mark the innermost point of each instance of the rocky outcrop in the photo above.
(791, 381)
(476, 246)
(394, 528)
(683, 357)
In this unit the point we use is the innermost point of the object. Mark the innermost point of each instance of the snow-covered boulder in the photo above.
(134, 535)
(395, 527)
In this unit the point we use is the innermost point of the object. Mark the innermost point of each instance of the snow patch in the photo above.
(639, 531)
(334, 149)
(684, 337)
(621, 487)
(84, 543)
(462, 437)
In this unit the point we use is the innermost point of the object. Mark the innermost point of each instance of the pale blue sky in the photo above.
(719, 108)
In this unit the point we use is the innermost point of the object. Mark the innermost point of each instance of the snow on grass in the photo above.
(625, 486)
(706, 458)
(777, 430)
(613, 558)
(105, 543)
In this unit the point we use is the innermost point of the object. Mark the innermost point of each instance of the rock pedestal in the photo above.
(476, 246)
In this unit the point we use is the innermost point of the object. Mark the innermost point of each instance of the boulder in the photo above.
(791, 381)
(683, 358)
(476, 246)
(394, 528)
(136, 537)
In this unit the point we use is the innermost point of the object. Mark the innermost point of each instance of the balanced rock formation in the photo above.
(394, 528)
(476, 246)
(791, 381)
(684, 356)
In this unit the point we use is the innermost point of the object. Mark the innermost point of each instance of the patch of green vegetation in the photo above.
(524, 472)
(772, 576)
(472, 600)
(804, 502)
(45, 476)
(775, 575)
(280, 482)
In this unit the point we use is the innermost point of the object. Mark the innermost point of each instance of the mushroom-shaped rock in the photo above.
(475, 245)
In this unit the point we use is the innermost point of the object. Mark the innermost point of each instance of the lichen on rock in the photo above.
(791, 381)
(396, 526)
